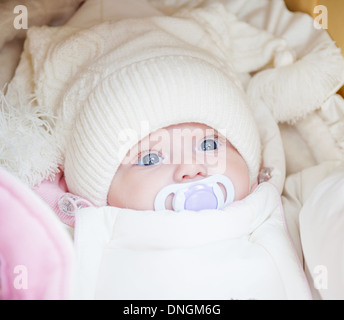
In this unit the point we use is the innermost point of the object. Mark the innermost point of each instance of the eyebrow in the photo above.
(151, 142)
(153, 139)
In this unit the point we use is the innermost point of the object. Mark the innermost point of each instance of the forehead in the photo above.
(182, 130)
(190, 125)
(178, 135)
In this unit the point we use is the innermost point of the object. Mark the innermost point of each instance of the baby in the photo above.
(153, 130)
(154, 82)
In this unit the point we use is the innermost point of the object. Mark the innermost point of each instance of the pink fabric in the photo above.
(51, 192)
(36, 253)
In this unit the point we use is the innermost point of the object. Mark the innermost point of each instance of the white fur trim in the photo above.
(27, 146)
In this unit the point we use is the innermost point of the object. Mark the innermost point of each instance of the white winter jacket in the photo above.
(242, 252)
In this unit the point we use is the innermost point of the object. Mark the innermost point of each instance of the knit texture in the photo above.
(153, 94)
(75, 86)
(99, 85)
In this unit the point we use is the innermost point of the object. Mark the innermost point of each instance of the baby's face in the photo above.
(176, 154)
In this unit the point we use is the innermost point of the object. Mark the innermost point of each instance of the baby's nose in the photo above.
(186, 172)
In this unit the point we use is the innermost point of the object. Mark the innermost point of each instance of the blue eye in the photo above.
(149, 159)
(209, 144)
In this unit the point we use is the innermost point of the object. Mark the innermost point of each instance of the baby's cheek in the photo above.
(239, 175)
(141, 192)
(241, 191)
(217, 165)
(117, 196)
(241, 183)
(113, 199)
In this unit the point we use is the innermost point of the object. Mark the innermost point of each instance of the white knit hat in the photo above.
(106, 81)
(162, 91)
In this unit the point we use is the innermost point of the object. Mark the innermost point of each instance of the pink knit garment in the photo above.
(55, 194)
(36, 252)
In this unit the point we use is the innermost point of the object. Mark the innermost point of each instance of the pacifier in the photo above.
(198, 195)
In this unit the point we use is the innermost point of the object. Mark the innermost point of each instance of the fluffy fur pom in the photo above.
(27, 145)
(293, 91)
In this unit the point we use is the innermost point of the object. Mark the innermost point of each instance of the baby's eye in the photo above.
(209, 144)
(149, 159)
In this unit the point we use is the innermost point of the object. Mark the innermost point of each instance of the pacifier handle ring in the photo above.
(178, 201)
(228, 185)
(159, 204)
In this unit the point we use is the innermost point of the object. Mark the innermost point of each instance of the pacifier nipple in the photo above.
(199, 195)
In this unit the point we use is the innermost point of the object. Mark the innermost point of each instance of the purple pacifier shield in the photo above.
(200, 197)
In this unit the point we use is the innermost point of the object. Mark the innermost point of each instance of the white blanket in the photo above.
(238, 253)
(315, 137)
(311, 121)
(321, 229)
(39, 12)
